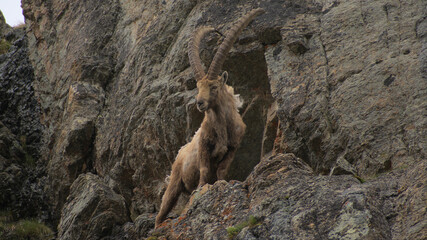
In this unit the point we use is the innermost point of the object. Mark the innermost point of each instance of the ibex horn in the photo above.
(228, 42)
(193, 52)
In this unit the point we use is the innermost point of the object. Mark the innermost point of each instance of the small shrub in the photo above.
(23, 229)
(4, 46)
(30, 229)
(233, 231)
(252, 221)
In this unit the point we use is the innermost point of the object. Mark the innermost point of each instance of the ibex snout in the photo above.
(201, 105)
(205, 95)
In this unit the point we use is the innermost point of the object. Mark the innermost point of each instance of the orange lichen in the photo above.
(182, 218)
(227, 211)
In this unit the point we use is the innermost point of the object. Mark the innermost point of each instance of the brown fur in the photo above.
(208, 156)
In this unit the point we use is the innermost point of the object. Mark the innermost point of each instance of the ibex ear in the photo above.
(224, 77)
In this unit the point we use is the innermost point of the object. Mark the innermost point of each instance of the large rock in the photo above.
(68, 44)
(350, 85)
(92, 210)
(287, 201)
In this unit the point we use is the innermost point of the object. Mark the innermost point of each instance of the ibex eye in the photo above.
(214, 87)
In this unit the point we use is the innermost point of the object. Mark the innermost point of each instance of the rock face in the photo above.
(356, 92)
(338, 85)
(21, 174)
(19, 110)
(21, 179)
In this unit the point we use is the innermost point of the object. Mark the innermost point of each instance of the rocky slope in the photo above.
(335, 103)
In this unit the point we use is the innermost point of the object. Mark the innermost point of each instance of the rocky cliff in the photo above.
(21, 174)
(335, 102)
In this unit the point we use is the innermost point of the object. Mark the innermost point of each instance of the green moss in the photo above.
(233, 231)
(4, 46)
(361, 180)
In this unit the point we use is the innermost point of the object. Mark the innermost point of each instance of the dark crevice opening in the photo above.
(247, 70)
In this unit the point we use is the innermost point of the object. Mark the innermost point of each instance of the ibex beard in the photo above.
(208, 156)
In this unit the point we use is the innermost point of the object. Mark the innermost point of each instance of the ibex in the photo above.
(208, 156)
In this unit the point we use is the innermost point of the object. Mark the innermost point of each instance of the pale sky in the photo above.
(12, 12)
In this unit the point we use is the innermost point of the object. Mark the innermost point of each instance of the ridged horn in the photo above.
(193, 52)
(228, 42)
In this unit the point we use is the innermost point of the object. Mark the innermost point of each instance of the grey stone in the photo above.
(92, 210)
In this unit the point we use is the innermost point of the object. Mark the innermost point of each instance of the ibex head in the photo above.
(210, 84)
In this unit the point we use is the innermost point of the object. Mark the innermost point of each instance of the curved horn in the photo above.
(228, 42)
(193, 52)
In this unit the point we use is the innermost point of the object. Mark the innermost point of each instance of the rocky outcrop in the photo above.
(339, 84)
(72, 65)
(92, 210)
(4, 27)
(288, 201)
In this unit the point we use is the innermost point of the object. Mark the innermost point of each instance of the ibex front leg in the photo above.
(224, 165)
(204, 163)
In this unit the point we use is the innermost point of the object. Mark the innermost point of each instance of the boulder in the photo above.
(92, 210)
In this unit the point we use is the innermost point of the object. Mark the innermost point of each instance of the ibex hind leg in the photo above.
(170, 197)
